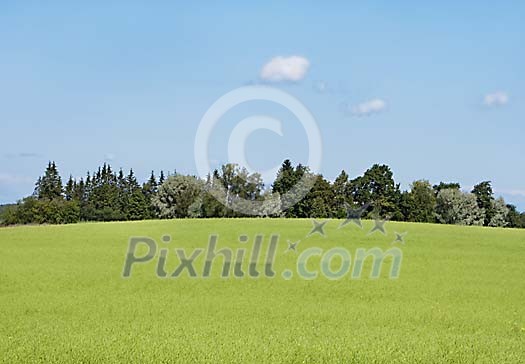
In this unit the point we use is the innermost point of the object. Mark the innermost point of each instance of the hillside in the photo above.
(459, 295)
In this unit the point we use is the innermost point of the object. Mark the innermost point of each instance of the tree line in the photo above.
(107, 195)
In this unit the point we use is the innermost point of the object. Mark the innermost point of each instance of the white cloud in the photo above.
(512, 192)
(280, 68)
(369, 107)
(109, 157)
(22, 155)
(498, 98)
(12, 179)
(320, 86)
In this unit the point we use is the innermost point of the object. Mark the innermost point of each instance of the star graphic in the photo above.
(379, 225)
(400, 238)
(354, 215)
(318, 227)
(292, 245)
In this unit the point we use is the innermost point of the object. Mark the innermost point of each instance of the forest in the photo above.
(108, 195)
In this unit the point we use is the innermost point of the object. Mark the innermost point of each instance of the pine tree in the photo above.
(49, 186)
(149, 189)
(103, 198)
(287, 177)
(86, 206)
(342, 197)
(79, 191)
(69, 190)
(122, 199)
(88, 187)
(137, 207)
(318, 201)
(36, 191)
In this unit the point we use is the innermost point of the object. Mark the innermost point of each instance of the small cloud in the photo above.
(28, 155)
(332, 88)
(512, 192)
(13, 179)
(320, 86)
(498, 98)
(366, 108)
(22, 155)
(280, 69)
(109, 157)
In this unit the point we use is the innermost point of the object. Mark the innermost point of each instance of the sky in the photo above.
(434, 90)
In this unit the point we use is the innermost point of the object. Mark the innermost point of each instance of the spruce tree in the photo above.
(79, 191)
(137, 207)
(69, 190)
(342, 198)
(49, 186)
(149, 189)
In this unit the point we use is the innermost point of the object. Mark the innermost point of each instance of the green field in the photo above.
(460, 297)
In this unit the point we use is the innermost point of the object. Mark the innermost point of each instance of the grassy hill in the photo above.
(458, 298)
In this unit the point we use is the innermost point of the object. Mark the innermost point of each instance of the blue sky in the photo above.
(436, 91)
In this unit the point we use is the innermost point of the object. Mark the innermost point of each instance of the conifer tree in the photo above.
(69, 190)
(49, 186)
(79, 191)
(342, 196)
(149, 189)
(137, 207)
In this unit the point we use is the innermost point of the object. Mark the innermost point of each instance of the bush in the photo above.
(33, 211)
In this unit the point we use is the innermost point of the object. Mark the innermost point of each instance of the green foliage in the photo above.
(34, 211)
(211, 206)
(456, 207)
(179, 196)
(5, 210)
(421, 202)
(149, 189)
(287, 178)
(485, 200)
(378, 188)
(446, 186)
(500, 212)
(137, 207)
(103, 198)
(232, 185)
(49, 186)
(514, 218)
(108, 196)
(318, 202)
(69, 189)
(342, 195)
(271, 205)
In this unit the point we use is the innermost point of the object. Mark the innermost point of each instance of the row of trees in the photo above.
(106, 195)
(101, 196)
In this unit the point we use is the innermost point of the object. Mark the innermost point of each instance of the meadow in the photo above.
(459, 297)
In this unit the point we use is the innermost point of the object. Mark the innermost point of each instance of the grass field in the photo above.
(460, 297)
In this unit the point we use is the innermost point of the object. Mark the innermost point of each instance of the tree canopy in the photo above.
(107, 195)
